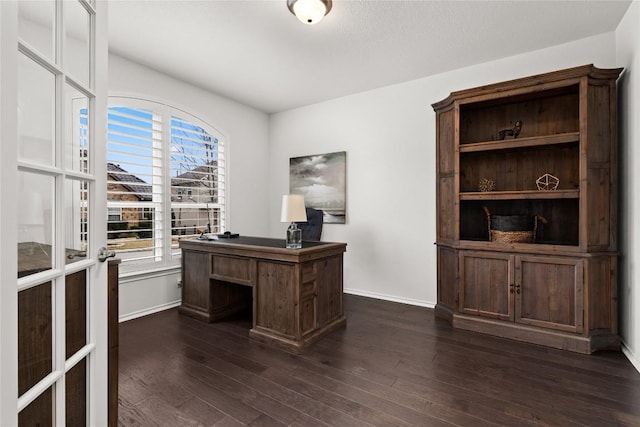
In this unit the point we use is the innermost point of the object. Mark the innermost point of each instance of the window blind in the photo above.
(197, 187)
(135, 184)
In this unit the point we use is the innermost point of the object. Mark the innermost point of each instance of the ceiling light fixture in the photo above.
(309, 11)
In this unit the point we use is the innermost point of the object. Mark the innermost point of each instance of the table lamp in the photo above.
(293, 210)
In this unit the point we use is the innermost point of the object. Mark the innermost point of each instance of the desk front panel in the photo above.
(196, 298)
(329, 289)
(232, 269)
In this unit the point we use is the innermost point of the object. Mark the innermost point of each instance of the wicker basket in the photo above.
(512, 228)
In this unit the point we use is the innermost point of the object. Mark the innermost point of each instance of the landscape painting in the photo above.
(321, 179)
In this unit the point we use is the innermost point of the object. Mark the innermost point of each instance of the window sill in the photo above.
(146, 273)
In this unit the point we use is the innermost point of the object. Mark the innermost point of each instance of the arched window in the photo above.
(165, 180)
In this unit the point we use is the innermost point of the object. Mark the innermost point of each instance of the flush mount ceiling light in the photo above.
(309, 11)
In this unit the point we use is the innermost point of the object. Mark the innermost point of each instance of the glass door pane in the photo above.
(39, 412)
(36, 26)
(76, 130)
(35, 336)
(76, 394)
(76, 294)
(76, 49)
(76, 312)
(35, 223)
(76, 217)
(36, 112)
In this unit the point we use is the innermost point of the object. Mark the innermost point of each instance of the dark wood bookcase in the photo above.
(560, 289)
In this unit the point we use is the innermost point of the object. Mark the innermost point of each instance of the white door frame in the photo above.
(8, 220)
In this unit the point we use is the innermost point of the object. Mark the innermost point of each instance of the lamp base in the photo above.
(294, 237)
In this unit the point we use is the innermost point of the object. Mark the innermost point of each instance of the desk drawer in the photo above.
(231, 269)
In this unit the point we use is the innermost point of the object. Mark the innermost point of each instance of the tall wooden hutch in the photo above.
(560, 289)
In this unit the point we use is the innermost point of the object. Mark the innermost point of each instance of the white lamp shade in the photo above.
(293, 208)
(309, 11)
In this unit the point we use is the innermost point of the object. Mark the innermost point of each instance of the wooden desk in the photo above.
(296, 293)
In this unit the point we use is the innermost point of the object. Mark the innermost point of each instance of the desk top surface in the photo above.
(260, 244)
(264, 241)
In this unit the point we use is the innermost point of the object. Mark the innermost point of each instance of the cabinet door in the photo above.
(486, 284)
(549, 292)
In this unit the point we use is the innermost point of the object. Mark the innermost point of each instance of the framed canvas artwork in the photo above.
(321, 179)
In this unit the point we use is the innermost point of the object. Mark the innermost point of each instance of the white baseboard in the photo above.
(150, 310)
(391, 298)
(632, 357)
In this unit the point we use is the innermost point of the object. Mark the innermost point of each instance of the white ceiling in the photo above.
(256, 52)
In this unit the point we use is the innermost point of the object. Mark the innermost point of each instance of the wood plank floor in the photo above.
(393, 364)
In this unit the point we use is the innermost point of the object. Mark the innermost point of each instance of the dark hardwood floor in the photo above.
(393, 364)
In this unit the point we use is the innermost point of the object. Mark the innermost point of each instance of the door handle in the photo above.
(104, 253)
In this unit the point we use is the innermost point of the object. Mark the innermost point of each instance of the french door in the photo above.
(53, 311)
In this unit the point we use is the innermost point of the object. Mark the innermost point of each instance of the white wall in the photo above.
(247, 133)
(627, 47)
(389, 135)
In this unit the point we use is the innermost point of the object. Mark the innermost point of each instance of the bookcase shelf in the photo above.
(518, 143)
(520, 195)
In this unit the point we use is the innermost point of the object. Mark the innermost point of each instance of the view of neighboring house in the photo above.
(124, 186)
(196, 186)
